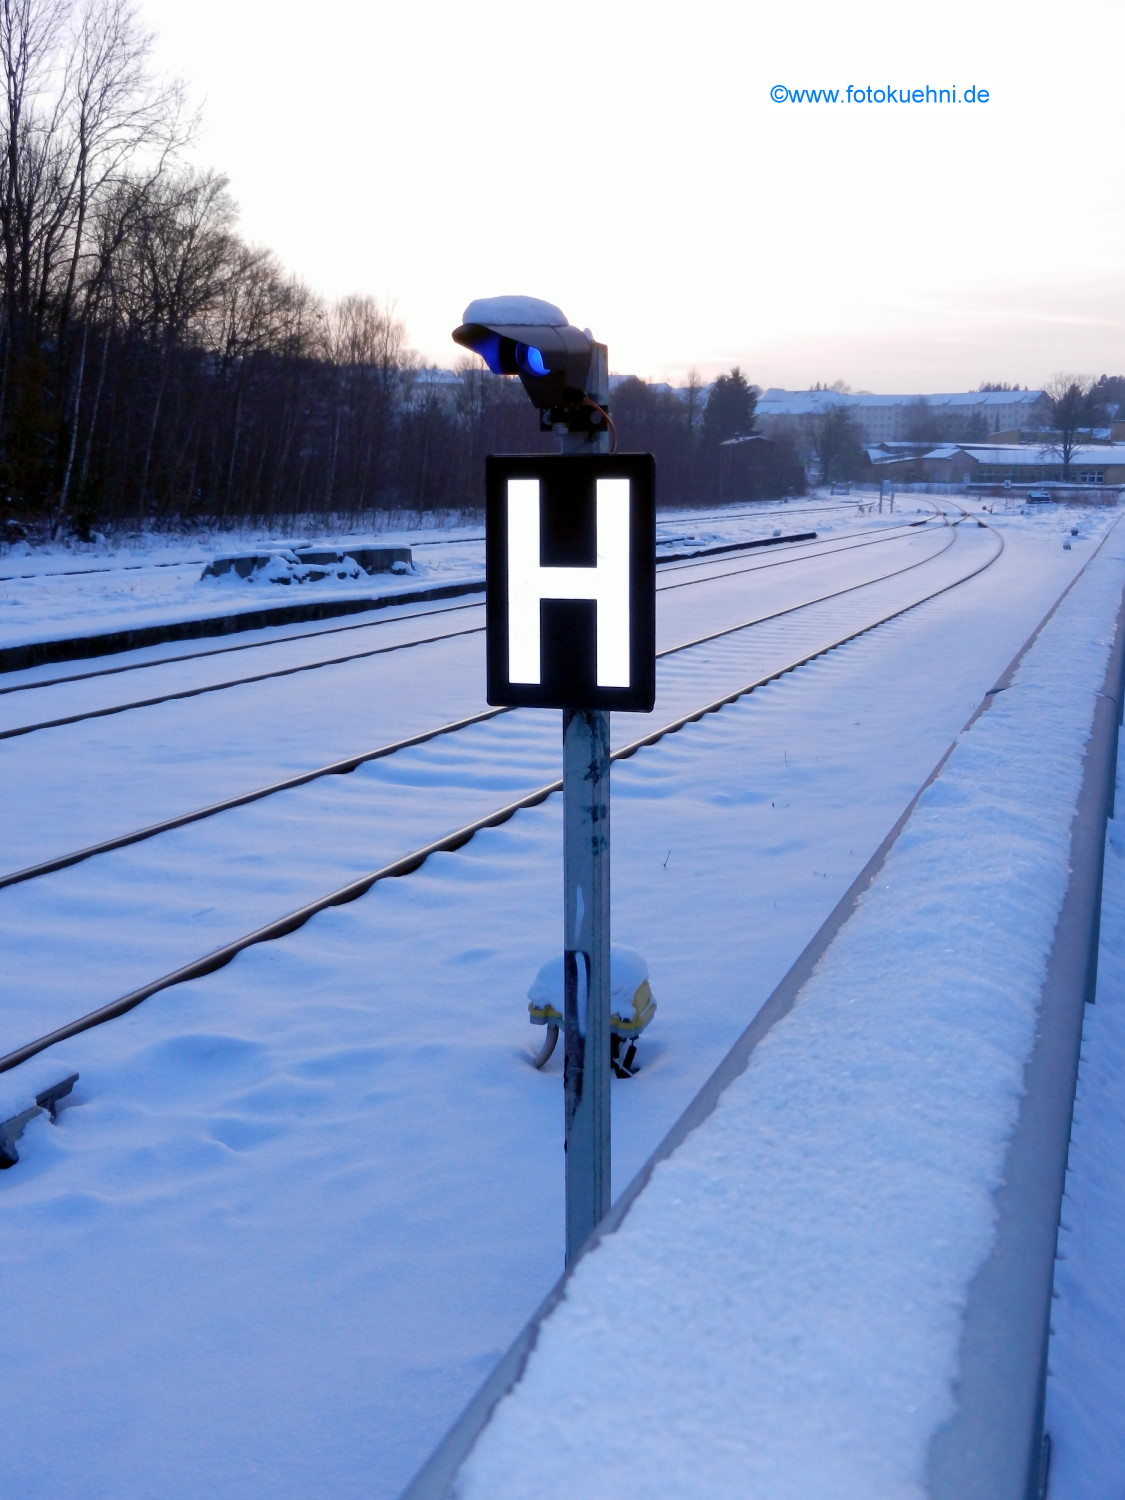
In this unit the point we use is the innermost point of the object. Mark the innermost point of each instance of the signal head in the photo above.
(530, 338)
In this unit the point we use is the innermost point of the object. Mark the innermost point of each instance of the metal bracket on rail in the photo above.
(46, 1101)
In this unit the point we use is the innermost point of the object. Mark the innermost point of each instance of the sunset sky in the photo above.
(633, 172)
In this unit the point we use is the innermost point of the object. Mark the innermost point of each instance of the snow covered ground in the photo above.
(783, 1301)
(56, 591)
(1085, 1410)
(54, 597)
(298, 1208)
(193, 889)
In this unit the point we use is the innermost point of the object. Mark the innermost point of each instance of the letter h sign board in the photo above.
(570, 549)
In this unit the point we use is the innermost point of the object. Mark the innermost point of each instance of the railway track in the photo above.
(348, 1111)
(795, 552)
(693, 517)
(704, 571)
(351, 763)
(532, 740)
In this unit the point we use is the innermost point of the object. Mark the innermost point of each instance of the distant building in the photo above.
(892, 418)
(995, 463)
(431, 385)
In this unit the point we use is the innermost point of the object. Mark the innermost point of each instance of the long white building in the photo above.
(890, 418)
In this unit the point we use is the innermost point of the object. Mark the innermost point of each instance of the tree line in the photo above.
(157, 369)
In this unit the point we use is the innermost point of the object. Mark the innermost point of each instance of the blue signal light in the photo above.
(489, 350)
(530, 360)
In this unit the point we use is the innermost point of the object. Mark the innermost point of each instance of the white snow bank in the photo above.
(284, 567)
(1085, 1412)
(784, 1300)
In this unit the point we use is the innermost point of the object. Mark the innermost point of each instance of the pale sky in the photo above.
(622, 160)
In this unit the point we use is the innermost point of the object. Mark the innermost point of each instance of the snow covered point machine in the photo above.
(630, 1000)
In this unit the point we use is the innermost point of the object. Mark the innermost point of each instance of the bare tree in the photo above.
(1070, 404)
(365, 344)
(693, 400)
(833, 436)
(924, 426)
(79, 107)
(184, 254)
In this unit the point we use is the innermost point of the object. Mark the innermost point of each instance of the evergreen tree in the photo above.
(730, 408)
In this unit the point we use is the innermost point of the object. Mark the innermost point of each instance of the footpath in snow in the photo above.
(779, 1314)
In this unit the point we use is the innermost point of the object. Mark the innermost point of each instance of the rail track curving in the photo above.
(708, 574)
(678, 658)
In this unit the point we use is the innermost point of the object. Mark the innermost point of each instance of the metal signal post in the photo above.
(570, 565)
(586, 937)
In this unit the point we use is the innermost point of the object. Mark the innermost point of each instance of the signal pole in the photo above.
(546, 648)
(586, 928)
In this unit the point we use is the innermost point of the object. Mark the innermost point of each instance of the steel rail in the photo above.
(670, 565)
(803, 507)
(352, 763)
(456, 541)
(665, 520)
(889, 534)
(449, 843)
(214, 687)
(305, 635)
(190, 562)
(281, 640)
(715, 515)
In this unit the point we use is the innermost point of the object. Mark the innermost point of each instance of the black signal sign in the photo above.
(571, 579)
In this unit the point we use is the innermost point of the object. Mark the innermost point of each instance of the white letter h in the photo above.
(529, 583)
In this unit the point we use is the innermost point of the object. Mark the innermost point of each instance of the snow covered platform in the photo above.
(56, 605)
(228, 622)
(836, 1284)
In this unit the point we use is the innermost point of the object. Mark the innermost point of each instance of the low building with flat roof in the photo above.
(1092, 463)
(998, 463)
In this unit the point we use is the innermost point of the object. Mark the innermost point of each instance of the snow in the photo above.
(784, 1298)
(283, 567)
(516, 312)
(19, 1087)
(627, 972)
(59, 591)
(54, 594)
(198, 887)
(1085, 1412)
(1015, 456)
(298, 1208)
